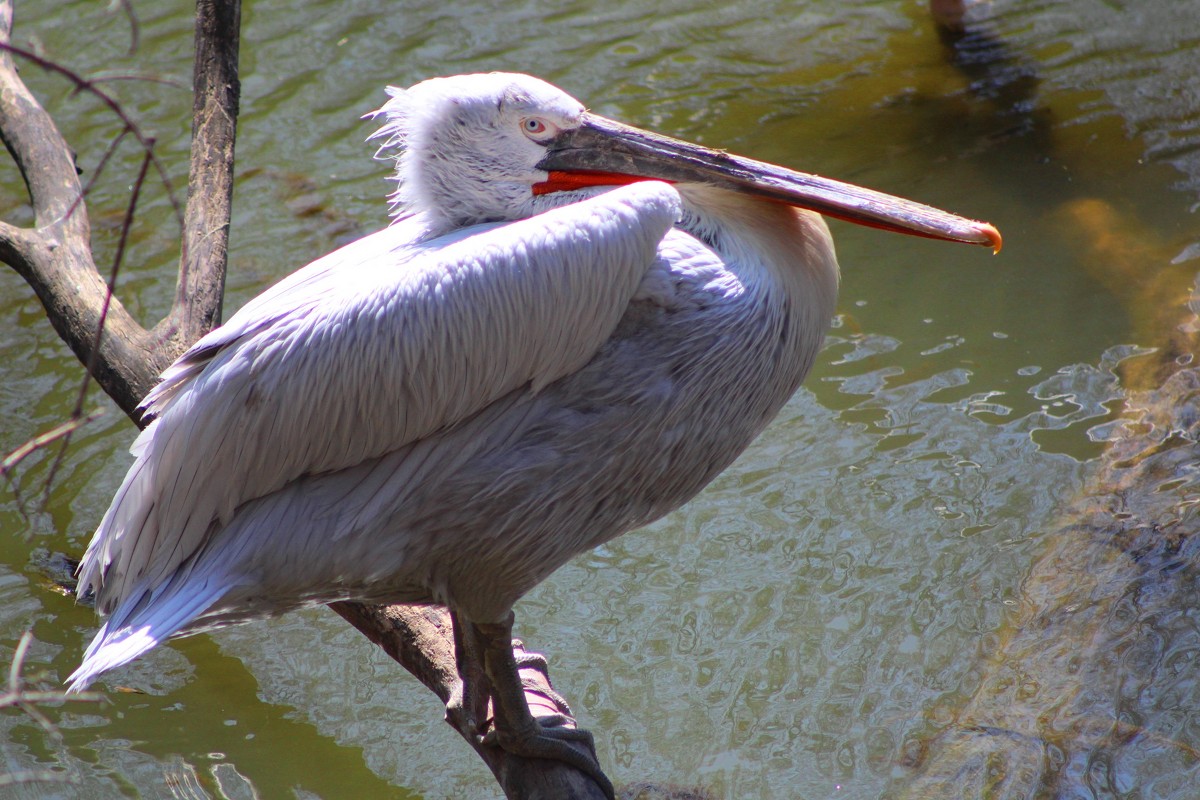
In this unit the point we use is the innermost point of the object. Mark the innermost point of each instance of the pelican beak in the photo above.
(602, 152)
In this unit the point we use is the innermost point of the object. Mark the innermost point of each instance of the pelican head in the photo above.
(505, 146)
(469, 145)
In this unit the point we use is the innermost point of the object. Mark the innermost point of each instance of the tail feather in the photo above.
(144, 620)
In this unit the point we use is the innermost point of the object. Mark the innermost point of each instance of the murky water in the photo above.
(833, 603)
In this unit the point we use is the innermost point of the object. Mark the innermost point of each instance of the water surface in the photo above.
(808, 625)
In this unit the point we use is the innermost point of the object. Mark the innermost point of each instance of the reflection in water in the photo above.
(875, 600)
(996, 71)
(1092, 687)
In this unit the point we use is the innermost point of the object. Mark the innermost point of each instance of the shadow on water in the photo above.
(1088, 689)
(1084, 693)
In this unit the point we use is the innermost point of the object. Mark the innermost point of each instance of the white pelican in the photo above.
(570, 328)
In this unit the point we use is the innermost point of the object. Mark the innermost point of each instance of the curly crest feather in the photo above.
(457, 159)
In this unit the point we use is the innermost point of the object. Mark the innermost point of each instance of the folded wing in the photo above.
(363, 352)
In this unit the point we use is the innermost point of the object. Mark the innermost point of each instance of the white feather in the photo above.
(361, 353)
(450, 409)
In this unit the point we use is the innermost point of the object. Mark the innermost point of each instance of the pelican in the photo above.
(570, 327)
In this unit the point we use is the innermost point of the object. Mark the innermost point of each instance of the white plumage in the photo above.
(527, 363)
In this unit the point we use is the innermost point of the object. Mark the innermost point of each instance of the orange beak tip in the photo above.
(993, 237)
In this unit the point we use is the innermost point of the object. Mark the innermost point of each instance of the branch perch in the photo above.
(55, 258)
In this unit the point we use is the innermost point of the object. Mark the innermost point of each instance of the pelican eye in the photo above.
(534, 128)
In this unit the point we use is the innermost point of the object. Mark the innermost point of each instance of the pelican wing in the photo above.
(362, 352)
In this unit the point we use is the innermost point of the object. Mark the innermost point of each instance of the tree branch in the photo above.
(55, 258)
(200, 288)
(421, 640)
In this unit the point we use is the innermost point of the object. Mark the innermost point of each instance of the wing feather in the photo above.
(363, 352)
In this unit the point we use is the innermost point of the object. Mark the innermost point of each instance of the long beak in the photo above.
(603, 152)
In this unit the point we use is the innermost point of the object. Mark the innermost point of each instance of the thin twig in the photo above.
(33, 776)
(93, 358)
(18, 661)
(83, 84)
(116, 77)
(100, 165)
(134, 27)
(11, 461)
(17, 695)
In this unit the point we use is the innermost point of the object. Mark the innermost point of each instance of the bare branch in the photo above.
(201, 284)
(421, 639)
(17, 695)
(81, 397)
(14, 458)
(83, 84)
(56, 260)
(135, 29)
(62, 431)
(117, 77)
(55, 257)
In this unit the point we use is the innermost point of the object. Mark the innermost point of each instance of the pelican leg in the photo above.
(516, 729)
(468, 702)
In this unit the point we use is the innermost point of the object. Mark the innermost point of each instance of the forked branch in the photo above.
(55, 258)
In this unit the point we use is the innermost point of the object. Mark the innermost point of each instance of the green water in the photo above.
(805, 625)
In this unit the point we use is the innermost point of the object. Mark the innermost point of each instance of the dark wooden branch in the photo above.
(420, 639)
(200, 288)
(55, 258)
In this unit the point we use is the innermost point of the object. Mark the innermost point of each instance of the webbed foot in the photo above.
(514, 728)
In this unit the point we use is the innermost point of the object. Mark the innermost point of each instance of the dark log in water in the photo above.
(1083, 694)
